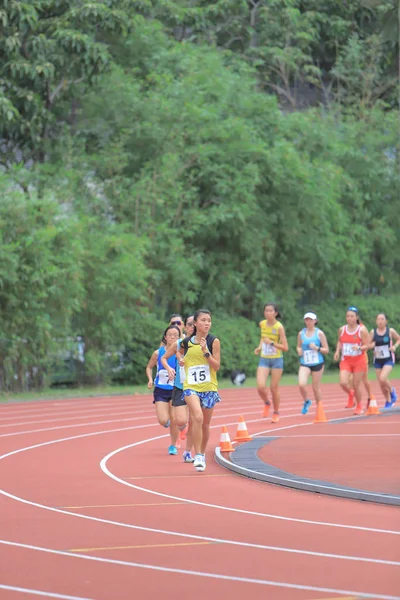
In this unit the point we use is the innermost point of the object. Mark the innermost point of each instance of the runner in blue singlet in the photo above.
(312, 345)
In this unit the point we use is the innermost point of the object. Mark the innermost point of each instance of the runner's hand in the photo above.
(203, 345)
(257, 351)
(150, 384)
(171, 374)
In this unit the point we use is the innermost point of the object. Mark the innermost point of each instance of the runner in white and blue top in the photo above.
(179, 406)
(311, 357)
(311, 347)
(163, 387)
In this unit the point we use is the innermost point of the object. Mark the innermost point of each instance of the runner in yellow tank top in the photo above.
(270, 332)
(272, 344)
(200, 387)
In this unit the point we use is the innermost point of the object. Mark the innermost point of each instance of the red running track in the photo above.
(93, 507)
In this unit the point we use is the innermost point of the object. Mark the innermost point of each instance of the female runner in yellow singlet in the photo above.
(201, 354)
(272, 344)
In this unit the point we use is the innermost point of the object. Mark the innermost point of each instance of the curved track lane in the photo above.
(93, 507)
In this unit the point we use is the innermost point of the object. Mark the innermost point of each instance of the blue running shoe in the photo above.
(306, 406)
(393, 395)
(173, 450)
(388, 404)
(187, 457)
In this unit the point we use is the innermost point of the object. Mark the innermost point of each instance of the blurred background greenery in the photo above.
(162, 155)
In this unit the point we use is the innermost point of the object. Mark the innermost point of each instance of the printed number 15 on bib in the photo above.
(199, 374)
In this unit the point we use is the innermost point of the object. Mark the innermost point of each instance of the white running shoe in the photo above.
(200, 462)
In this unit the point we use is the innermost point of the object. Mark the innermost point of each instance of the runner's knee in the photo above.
(198, 418)
(181, 421)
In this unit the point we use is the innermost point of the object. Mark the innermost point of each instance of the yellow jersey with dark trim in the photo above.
(200, 376)
(271, 332)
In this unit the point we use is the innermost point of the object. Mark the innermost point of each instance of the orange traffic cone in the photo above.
(373, 407)
(320, 417)
(225, 441)
(242, 435)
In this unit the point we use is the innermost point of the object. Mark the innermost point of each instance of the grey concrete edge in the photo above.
(304, 485)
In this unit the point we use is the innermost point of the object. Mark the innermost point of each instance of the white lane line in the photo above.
(139, 407)
(90, 424)
(266, 582)
(138, 402)
(105, 469)
(128, 399)
(266, 515)
(126, 413)
(31, 592)
(337, 420)
(381, 421)
(80, 413)
(235, 412)
(75, 414)
(211, 539)
(60, 408)
(351, 435)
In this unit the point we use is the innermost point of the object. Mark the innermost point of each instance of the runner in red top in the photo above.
(351, 402)
(353, 342)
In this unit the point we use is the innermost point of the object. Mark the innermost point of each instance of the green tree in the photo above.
(361, 73)
(51, 50)
(40, 284)
(114, 293)
(295, 45)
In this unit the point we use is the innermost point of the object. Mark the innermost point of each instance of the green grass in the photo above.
(117, 390)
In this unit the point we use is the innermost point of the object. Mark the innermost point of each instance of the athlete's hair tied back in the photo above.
(275, 307)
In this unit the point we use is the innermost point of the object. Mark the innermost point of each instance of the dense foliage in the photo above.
(161, 156)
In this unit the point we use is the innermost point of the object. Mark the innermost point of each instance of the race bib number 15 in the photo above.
(198, 374)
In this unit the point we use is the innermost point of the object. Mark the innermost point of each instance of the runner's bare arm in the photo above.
(338, 345)
(299, 347)
(394, 335)
(214, 360)
(371, 340)
(283, 343)
(258, 349)
(149, 369)
(169, 352)
(324, 349)
(173, 349)
(365, 342)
